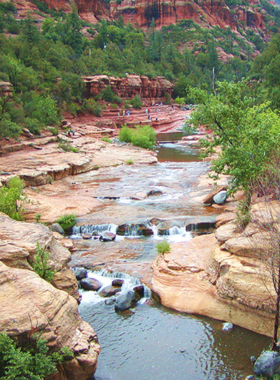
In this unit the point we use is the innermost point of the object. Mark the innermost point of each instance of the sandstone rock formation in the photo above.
(129, 86)
(224, 276)
(29, 303)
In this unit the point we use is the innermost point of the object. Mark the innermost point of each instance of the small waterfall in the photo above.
(172, 234)
(106, 277)
(78, 231)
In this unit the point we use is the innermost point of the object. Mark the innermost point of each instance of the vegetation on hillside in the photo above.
(45, 65)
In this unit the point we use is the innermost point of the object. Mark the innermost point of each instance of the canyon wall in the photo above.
(129, 86)
(141, 13)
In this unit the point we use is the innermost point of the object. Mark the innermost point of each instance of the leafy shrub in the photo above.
(136, 102)
(10, 198)
(129, 161)
(125, 134)
(67, 221)
(108, 95)
(9, 129)
(54, 131)
(163, 247)
(91, 106)
(180, 100)
(144, 136)
(189, 129)
(33, 125)
(31, 360)
(40, 264)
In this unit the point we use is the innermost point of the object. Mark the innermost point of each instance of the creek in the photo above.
(149, 341)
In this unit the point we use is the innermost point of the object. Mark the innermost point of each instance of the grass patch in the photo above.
(106, 139)
(129, 161)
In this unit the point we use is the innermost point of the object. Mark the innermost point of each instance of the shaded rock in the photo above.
(80, 273)
(90, 284)
(134, 229)
(125, 301)
(139, 291)
(56, 227)
(65, 280)
(154, 193)
(209, 198)
(87, 236)
(267, 364)
(227, 326)
(220, 198)
(117, 282)
(107, 236)
(109, 291)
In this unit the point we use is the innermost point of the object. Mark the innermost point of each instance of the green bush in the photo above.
(91, 106)
(30, 360)
(67, 221)
(40, 264)
(125, 134)
(108, 95)
(33, 125)
(144, 136)
(136, 102)
(179, 100)
(163, 247)
(11, 198)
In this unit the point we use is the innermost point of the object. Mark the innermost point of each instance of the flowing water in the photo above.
(151, 342)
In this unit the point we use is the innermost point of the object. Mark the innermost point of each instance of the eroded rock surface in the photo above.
(225, 277)
(29, 303)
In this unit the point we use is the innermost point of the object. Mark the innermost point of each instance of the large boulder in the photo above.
(90, 284)
(54, 315)
(125, 300)
(220, 198)
(267, 364)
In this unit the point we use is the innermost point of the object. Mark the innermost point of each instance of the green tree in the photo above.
(248, 135)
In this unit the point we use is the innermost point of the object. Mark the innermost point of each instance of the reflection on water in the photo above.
(155, 343)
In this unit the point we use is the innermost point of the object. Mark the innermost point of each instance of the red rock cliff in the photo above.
(129, 86)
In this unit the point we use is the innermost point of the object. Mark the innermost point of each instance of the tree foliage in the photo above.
(248, 134)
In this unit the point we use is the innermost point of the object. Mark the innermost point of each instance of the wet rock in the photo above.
(227, 326)
(139, 291)
(56, 227)
(220, 198)
(134, 229)
(108, 236)
(90, 284)
(117, 282)
(110, 301)
(250, 377)
(154, 193)
(109, 291)
(267, 364)
(125, 301)
(87, 236)
(80, 273)
(209, 198)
